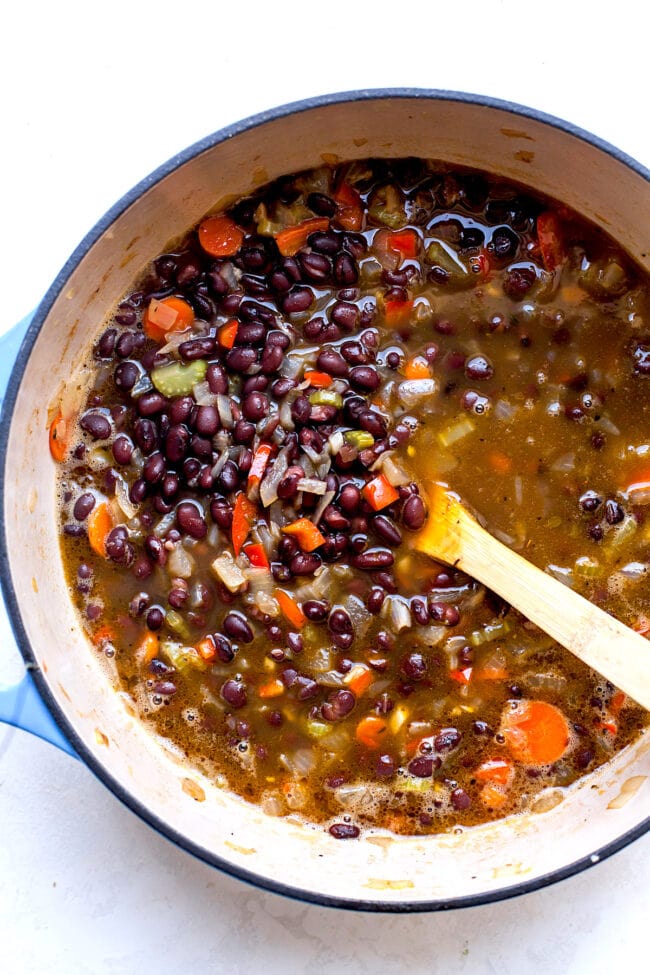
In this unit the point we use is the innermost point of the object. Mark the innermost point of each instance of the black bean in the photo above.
(443, 613)
(252, 333)
(224, 648)
(83, 506)
(315, 267)
(201, 447)
(375, 599)
(97, 425)
(74, 531)
(154, 468)
(190, 520)
(590, 501)
(414, 666)
(126, 375)
(518, 281)
(422, 767)
(216, 378)
(281, 573)
(365, 378)
(384, 766)
(241, 358)
(420, 611)
(255, 406)
(125, 345)
(413, 513)
(387, 530)
(345, 269)
(373, 560)
(118, 547)
(447, 740)
(344, 831)
(306, 688)
(479, 367)
(504, 243)
(151, 403)
(206, 421)
(177, 443)
(316, 610)
(349, 499)
(288, 486)
(332, 362)
(122, 449)
(271, 360)
(314, 329)
(228, 479)
(106, 344)
(234, 693)
(197, 348)
(614, 513)
(583, 758)
(145, 435)
(334, 519)
(338, 705)
(155, 618)
(339, 621)
(304, 563)
(322, 205)
(459, 799)
(299, 299)
(237, 626)
(178, 595)
(345, 315)
(301, 409)
(221, 513)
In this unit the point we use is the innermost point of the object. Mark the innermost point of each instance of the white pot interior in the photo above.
(378, 868)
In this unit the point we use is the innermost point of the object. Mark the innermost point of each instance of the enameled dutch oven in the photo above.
(572, 828)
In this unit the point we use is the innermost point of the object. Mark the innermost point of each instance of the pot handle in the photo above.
(21, 705)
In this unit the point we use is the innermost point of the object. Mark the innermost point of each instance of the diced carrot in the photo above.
(491, 671)
(642, 626)
(536, 732)
(379, 493)
(100, 524)
(463, 676)
(290, 609)
(227, 334)
(274, 688)
(572, 294)
(105, 634)
(243, 518)
(493, 795)
(290, 241)
(258, 466)
(618, 701)
(319, 380)
(147, 647)
(638, 481)
(59, 437)
(397, 313)
(359, 679)
(405, 242)
(349, 213)
(370, 731)
(257, 556)
(220, 236)
(306, 534)
(417, 368)
(549, 235)
(168, 315)
(610, 725)
(206, 648)
(495, 770)
(499, 462)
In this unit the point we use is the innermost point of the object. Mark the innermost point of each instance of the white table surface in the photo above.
(91, 103)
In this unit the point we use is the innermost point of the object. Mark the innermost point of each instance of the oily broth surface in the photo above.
(561, 413)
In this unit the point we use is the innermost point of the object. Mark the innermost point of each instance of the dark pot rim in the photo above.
(13, 610)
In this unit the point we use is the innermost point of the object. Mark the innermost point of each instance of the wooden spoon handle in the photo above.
(614, 650)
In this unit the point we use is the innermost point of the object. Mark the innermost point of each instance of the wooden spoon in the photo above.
(453, 536)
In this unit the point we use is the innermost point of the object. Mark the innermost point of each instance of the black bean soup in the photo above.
(241, 487)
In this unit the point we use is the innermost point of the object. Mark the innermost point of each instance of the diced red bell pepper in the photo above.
(397, 313)
(244, 517)
(256, 556)
(259, 465)
(463, 676)
(306, 534)
(379, 493)
(349, 212)
(227, 334)
(290, 241)
(405, 242)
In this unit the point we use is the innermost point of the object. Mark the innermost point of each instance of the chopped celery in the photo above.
(178, 379)
(387, 207)
(493, 631)
(326, 397)
(441, 255)
(359, 438)
(415, 785)
(176, 623)
(455, 431)
(622, 533)
(587, 568)
(318, 729)
(180, 656)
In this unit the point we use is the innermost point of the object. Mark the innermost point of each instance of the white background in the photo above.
(94, 98)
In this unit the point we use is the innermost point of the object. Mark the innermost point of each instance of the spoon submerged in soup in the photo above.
(452, 535)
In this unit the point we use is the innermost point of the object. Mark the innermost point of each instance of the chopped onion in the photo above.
(503, 410)
(260, 580)
(561, 574)
(122, 497)
(203, 396)
(411, 391)
(224, 408)
(519, 490)
(313, 455)
(566, 462)
(634, 570)
(455, 431)
(267, 604)
(606, 424)
(175, 339)
(335, 442)
(286, 418)
(359, 615)
(142, 385)
(639, 494)
(228, 572)
(393, 473)
(322, 504)
(219, 465)
(165, 523)
(269, 486)
(398, 612)
(180, 563)
(312, 486)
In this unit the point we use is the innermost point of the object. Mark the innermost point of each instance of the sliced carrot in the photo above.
(499, 462)
(257, 556)
(493, 795)
(379, 493)
(536, 732)
(290, 609)
(359, 679)
(463, 676)
(290, 241)
(227, 334)
(306, 534)
(495, 770)
(319, 380)
(549, 235)
(274, 688)
(417, 368)
(147, 647)
(349, 213)
(405, 242)
(206, 648)
(220, 236)
(168, 315)
(59, 437)
(243, 518)
(370, 731)
(100, 524)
